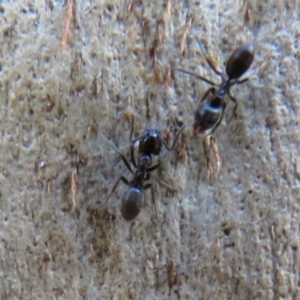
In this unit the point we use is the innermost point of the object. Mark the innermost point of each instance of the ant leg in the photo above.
(150, 186)
(132, 156)
(132, 128)
(147, 177)
(131, 133)
(207, 59)
(241, 81)
(131, 146)
(235, 106)
(125, 181)
(210, 90)
(138, 138)
(147, 186)
(197, 76)
(232, 98)
(206, 146)
(156, 166)
(176, 138)
(169, 187)
(121, 155)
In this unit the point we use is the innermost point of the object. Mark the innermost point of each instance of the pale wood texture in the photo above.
(235, 236)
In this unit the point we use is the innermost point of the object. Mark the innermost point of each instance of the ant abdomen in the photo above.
(210, 112)
(240, 61)
(206, 116)
(131, 203)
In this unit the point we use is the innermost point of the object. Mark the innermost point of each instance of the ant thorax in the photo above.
(144, 162)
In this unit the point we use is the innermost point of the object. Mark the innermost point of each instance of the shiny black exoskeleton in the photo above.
(150, 143)
(210, 112)
(133, 199)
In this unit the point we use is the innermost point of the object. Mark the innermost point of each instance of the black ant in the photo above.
(150, 143)
(210, 111)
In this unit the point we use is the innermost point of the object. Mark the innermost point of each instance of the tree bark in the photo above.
(74, 73)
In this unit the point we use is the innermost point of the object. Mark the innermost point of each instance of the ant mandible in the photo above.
(150, 143)
(210, 112)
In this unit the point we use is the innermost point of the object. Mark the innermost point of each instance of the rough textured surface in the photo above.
(233, 237)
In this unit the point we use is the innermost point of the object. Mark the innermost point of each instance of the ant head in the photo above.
(240, 61)
(150, 143)
(132, 202)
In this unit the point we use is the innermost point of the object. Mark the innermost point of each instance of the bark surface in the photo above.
(75, 71)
